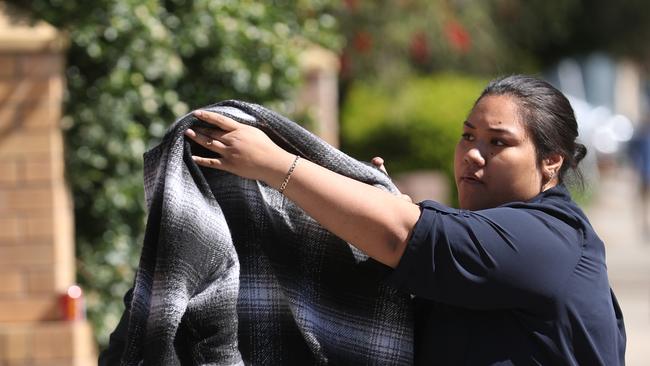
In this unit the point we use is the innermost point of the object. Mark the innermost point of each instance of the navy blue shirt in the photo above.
(524, 283)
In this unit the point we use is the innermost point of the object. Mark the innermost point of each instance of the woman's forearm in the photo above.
(375, 221)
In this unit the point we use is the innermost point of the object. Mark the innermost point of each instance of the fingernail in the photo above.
(198, 113)
(190, 132)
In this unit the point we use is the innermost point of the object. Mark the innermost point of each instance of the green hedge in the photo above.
(414, 126)
(133, 66)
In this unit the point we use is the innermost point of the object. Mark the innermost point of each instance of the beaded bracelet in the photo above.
(286, 179)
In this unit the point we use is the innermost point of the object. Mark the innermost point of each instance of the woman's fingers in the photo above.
(243, 150)
(211, 144)
(213, 133)
(205, 140)
(208, 162)
(379, 163)
(223, 122)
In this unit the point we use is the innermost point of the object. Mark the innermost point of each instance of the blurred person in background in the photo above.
(517, 275)
(639, 152)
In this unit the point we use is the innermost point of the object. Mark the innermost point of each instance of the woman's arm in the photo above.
(375, 221)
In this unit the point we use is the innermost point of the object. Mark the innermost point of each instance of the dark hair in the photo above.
(547, 116)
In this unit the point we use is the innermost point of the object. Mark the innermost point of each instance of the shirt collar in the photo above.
(558, 192)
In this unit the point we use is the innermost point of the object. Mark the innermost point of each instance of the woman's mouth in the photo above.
(470, 179)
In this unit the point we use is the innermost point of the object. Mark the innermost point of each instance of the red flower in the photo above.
(352, 5)
(362, 42)
(457, 36)
(419, 48)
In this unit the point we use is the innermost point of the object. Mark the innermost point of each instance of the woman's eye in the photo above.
(497, 142)
(467, 137)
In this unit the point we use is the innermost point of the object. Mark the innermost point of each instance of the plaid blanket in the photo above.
(232, 272)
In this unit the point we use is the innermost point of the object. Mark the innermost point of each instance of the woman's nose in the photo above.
(474, 156)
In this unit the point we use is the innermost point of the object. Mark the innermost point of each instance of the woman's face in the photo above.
(495, 160)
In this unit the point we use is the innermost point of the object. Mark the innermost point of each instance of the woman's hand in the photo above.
(379, 163)
(244, 150)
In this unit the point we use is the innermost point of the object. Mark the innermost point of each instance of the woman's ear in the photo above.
(551, 166)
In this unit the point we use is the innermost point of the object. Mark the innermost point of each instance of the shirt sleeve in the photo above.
(503, 257)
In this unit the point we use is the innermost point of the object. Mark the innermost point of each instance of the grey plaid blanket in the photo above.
(232, 272)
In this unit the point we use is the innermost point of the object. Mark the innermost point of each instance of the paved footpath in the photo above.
(614, 213)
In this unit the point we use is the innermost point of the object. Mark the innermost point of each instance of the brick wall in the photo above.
(36, 231)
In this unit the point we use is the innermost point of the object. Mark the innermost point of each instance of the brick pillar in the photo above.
(36, 230)
(318, 96)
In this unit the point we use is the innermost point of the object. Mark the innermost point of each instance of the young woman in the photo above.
(517, 275)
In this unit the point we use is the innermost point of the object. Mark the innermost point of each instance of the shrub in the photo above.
(133, 66)
(414, 126)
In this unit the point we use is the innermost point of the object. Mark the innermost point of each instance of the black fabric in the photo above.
(521, 284)
(232, 272)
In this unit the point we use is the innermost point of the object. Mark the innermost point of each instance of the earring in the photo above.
(549, 181)
(551, 176)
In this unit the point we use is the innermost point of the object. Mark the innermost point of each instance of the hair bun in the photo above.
(579, 153)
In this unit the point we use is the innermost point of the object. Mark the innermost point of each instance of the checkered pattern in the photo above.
(232, 272)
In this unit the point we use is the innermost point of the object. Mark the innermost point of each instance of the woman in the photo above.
(515, 276)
